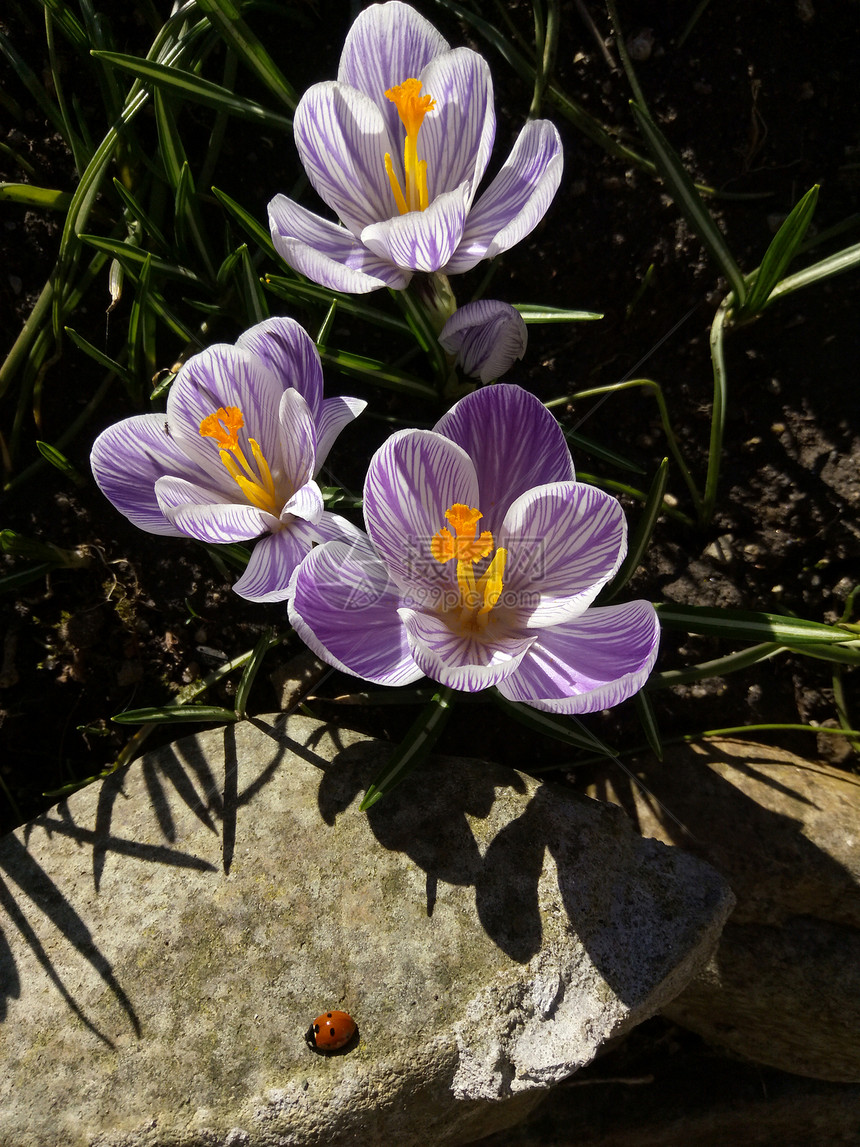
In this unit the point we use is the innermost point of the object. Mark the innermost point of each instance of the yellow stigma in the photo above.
(476, 598)
(412, 108)
(258, 487)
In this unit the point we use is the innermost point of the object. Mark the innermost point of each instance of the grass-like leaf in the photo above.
(844, 260)
(188, 86)
(376, 372)
(130, 255)
(42, 198)
(648, 720)
(300, 291)
(782, 249)
(534, 313)
(641, 538)
(251, 670)
(412, 750)
(224, 15)
(170, 714)
(683, 190)
(548, 724)
(101, 358)
(747, 625)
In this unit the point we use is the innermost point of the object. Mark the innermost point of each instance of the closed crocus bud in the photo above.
(487, 338)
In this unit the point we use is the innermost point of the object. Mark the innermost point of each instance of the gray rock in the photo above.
(171, 934)
(783, 987)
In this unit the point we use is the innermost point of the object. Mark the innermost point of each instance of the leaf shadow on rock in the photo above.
(429, 822)
(32, 880)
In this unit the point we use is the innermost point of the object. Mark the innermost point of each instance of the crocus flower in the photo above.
(396, 147)
(483, 559)
(486, 338)
(234, 458)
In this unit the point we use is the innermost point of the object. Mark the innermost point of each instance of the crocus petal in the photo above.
(333, 528)
(223, 375)
(272, 564)
(327, 253)
(344, 607)
(336, 413)
(487, 337)
(342, 139)
(421, 240)
(128, 459)
(297, 439)
(208, 515)
(514, 443)
(591, 663)
(516, 200)
(387, 44)
(456, 137)
(288, 351)
(460, 658)
(564, 542)
(306, 504)
(412, 479)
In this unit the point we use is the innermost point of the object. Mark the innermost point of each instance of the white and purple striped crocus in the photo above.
(234, 458)
(396, 147)
(485, 338)
(483, 559)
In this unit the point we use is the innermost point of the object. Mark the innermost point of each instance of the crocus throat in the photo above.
(477, 598)
(258, 487)
(412, 108)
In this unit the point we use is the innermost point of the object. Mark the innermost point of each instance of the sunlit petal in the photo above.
(564, 542)
(208, 515)
(289, 352)
(456, 137)
(344, 607)
(327, 253)
(421, 240)
(592, 663)
(514, 444)
(516, 200)
(272, 564)
(463, 659)
(412, 480)
(129, 458)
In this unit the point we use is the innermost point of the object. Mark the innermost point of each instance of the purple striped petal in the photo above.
(412, 479)
(224, 375)
(288, 351)
(297, 440)
(306, 504)
(564, 543)
(272, 564)
(387, 44)
(456, 137)
(342, 139)
(333, 528)
(336, 413)
(487, 337)
(344, 608)
(421, 240)
(514, 443)
(460, 657)
(516, 200)
(208, 515)
(128, 459)
(591, 663)
(328, 254)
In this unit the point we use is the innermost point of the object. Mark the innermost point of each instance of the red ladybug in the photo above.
(330, 1031)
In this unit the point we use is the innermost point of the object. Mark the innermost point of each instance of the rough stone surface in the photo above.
(783, 987)
(171, 934)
